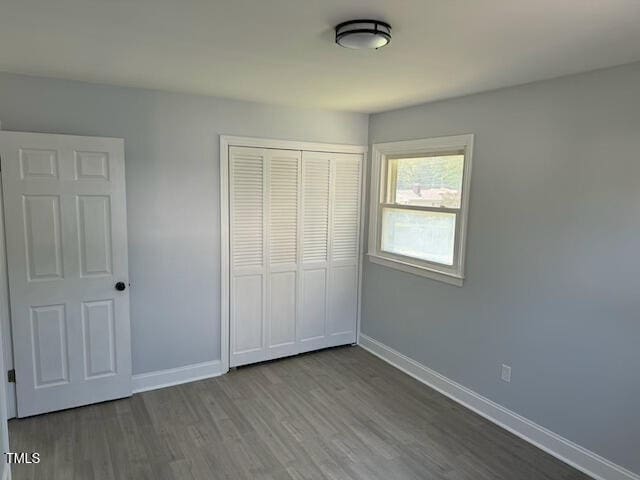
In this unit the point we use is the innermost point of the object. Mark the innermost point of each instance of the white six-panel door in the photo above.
(66, 237)
(294, 249)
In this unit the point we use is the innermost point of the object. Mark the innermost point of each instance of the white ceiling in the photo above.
(282, 51)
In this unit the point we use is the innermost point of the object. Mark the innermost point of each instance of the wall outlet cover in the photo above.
(505, 373)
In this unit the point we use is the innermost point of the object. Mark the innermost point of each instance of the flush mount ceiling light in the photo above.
(363, 34)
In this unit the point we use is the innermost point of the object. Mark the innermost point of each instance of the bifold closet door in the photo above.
(294, 248)
(330, 249)
(264, 191)
(344, 250)
(316, 186)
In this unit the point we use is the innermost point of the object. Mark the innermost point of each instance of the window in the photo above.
(418, 216)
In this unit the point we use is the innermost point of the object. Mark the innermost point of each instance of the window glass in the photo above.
(427, 181)
(420, 234)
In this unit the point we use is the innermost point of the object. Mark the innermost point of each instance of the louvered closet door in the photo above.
(344, 249)
(294, 231)
(264, 189)
(282, 285)
(316, 183)
(247, 212)
(330, 249)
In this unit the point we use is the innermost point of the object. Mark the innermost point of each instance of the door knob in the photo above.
(120, 286)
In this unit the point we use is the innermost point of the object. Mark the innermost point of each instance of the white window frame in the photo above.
(381, 154)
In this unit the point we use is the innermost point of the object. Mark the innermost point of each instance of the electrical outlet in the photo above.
(505, 373)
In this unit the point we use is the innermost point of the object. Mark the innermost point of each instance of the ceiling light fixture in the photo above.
(363, 34)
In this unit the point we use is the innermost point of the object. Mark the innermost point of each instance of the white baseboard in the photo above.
(579, 457)
(176, 376)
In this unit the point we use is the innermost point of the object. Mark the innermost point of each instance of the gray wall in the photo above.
(172, 174)
(553, 285)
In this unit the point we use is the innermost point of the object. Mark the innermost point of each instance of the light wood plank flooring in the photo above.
(336, 414)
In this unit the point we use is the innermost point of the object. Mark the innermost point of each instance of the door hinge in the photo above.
(11, 376)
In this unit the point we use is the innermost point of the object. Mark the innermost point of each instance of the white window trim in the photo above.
(381, 151)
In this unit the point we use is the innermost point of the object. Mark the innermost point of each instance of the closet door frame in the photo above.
(227, 141)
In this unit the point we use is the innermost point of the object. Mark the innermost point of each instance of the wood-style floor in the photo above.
(335, 414)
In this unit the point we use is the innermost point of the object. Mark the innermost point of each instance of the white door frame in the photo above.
(7, 390)
(5, 320)
(227, 141)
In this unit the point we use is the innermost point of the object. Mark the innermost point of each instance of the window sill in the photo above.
(417, 270)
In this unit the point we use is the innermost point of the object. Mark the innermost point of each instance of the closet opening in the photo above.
(291, 247)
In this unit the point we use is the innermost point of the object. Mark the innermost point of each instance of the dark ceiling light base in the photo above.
(360, 34)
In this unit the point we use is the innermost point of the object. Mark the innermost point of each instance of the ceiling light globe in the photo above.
(363, 34)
